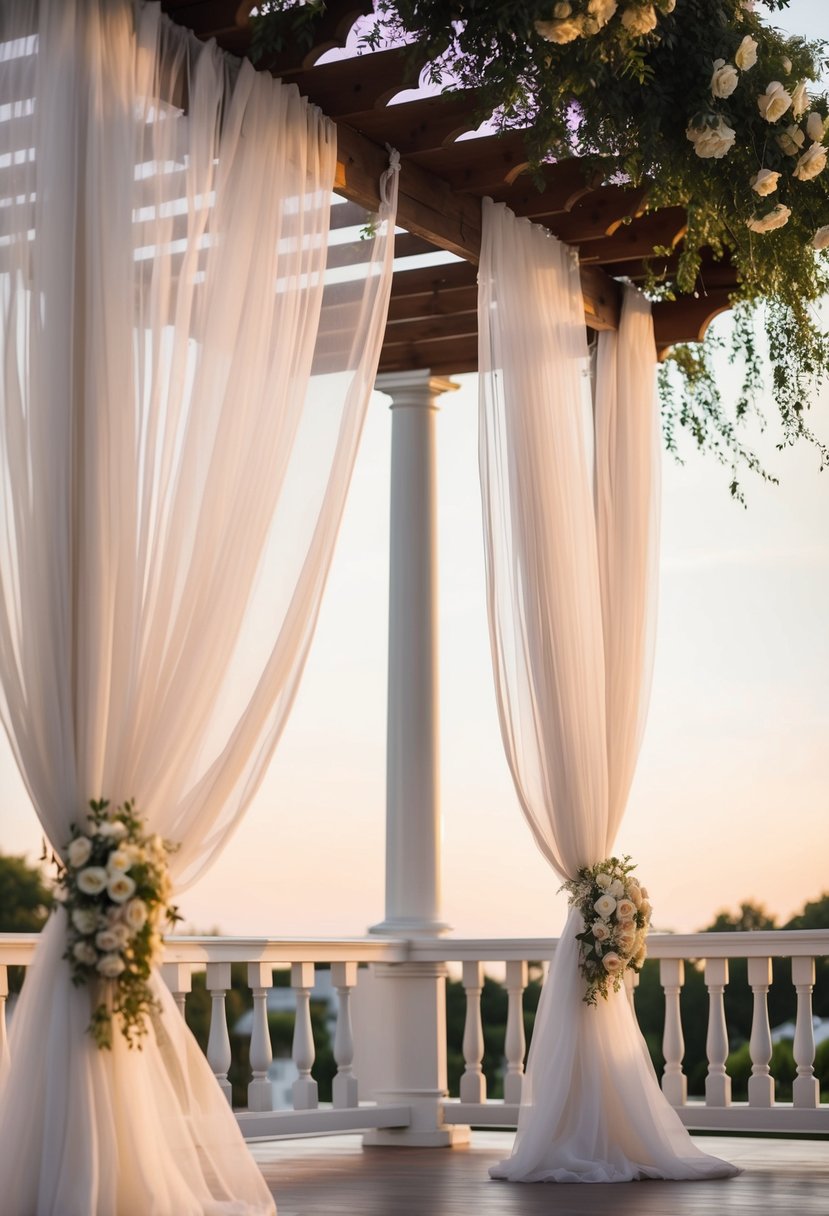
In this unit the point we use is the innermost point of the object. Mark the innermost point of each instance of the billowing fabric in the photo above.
(184, 384)
(571, 530)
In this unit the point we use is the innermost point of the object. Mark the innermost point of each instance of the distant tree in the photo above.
(25, 898)
(815, 915)
(749, 919)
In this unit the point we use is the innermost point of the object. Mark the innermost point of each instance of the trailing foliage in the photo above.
(702, 102)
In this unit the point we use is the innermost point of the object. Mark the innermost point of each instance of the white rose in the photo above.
(119, 862)
(85, 953)
(121, 934)
(107, 941)
(746, 54)
(767, 223)
(791, 140)
(625, 909)
(135, 914)
(765, 182)
(612, 963)
(602, 10)
(774, 103)
(710, 141)
(800, 100)
(787, 64)
(111, 965)
(816, 127)
(120, 888)
(559, 31)
(603, 880)
(725, 78)
(646, 909)
(605, 905)
(92, 880)
(635, 893)
(639, 19)
(84, 920)
(79, 851)
(627, 939)
(811, 163)
(112, 830)
(562, 9)
(821, 238)
(601, 931)
(616, 889)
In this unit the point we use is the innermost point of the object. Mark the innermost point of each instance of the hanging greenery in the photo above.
(705, 104)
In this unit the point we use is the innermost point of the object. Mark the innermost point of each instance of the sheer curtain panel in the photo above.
(570, 535)
(184, 383)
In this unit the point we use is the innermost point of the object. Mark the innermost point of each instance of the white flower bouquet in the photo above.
(616, 913)
(115, 890)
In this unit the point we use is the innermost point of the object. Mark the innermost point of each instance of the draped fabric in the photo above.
(185, 373)
(570, 513)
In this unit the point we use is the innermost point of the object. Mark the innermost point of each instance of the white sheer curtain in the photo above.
(570, 529)
(183, 391)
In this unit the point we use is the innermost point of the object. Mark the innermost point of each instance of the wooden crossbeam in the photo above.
(421, 125)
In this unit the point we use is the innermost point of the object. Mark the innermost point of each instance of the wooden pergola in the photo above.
(432, 317)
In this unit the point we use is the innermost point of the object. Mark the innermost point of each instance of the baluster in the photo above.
(515, 1043)
(4, 1041)
(260, 1090)
(674, 1081)
(718, 1082)
(630, 980)
(179, 979)
(473, 1081)
(344, 1089)
(761, 1082)
(805, 1090)
(305, 1087)
(218, 1043)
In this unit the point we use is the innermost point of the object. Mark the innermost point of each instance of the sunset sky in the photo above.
(731, 798)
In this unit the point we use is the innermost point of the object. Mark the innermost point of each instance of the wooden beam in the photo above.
(420, 125)
(637, 240)
(443, 357)
(349, 86)
(686, 320)
(478, 166)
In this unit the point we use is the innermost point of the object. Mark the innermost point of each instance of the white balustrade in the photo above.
(717, 1082)
(473, 1081)
(260, 1091)
(304, 1089)
(4, 1040)
(218, 1043)
(179, 979)
(761, 1082)
(674, 1081)
(805, 1089)
(515, 1042)
(344, 1087)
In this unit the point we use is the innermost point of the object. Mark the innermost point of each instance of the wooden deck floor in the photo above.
(335, 1176)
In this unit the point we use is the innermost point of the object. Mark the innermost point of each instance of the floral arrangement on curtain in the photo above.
(570, 535)
(183, 391)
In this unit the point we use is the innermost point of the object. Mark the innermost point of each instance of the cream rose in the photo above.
(111, 966)
(627, 939)
(725, 78)
(79, 851)
(745, 56)
(562, 9)
(559, 31)
(821, 238)
(112, 830)
(646, 909)
(602, 10)
(122, 935)
(774, 103)
(612, 963)
(135, 914)
(626, 909)
(120, 887)
(811, 163)
(639, 19)
(84, 953)
(635, 893)
(800, 100)
(119, 862)
(107, 941)
(791, 140)
(816, 127)
(712, 141)
(601, 931)
(603, 880)
(605, 905)
(787, 64)
(765, 182)
(616, 889)
(92, 880)
(85, 920)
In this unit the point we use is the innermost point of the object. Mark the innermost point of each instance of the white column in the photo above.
(413, 898)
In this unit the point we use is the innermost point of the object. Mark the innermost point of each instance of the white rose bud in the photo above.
(84, 953)
(601, 11)
(821, 238)
(79, 851)
(800, 100)
(605, 905)
(816, 127)
(774, 103)
(612, 963)
(135, 914)
(746, 54)
(639, 19)
(84, 920)
(787, 64)
(791, 140)
(724, 80)
(110, 966)
(765, 182)
(92, 880)
(811, 163)
(120, 888)
(562, 9)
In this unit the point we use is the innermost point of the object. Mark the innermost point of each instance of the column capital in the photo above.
(414, 388)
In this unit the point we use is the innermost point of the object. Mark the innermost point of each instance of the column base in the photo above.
(452, 1136)
(404, 926)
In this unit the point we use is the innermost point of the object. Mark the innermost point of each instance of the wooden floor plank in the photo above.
(335, 1176)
